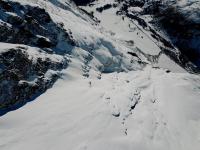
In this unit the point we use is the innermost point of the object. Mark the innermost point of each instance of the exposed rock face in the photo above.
(183, 31)
(83, 2)
(107, 6)
(30, 25)
(182, 27)
(22, 77)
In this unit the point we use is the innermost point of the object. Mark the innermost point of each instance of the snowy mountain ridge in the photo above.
(105, 75)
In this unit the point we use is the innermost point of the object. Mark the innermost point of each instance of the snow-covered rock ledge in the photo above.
(25, 73)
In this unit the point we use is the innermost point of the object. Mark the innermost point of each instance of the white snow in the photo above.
(141, 108)
(33, 52)
(167, 63)
(95, 114)
(135, 10)
(126, 30)
(5, 47)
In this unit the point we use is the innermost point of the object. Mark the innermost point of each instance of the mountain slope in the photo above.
(113, 86)
(162, 25)
(147, 109)
(67, 33)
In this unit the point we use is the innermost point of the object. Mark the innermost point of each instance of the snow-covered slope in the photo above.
(113, 86)
(127, 30)
(59, 29)
(144, 110)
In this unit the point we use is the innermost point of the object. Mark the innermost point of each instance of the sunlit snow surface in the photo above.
(95, 114)
(143, 109)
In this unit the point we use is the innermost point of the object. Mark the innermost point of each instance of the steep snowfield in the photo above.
(126, 30)
(123, 29)
(106, 99)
